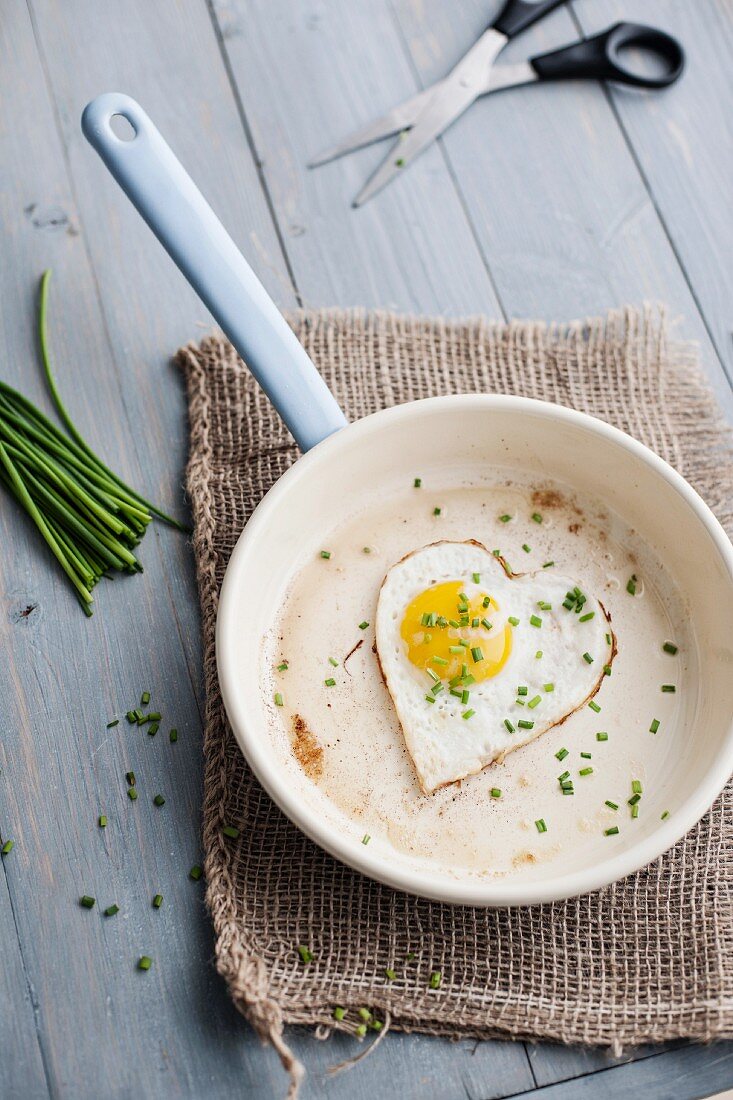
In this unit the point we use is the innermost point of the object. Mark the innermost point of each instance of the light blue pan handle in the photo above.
(184, 223)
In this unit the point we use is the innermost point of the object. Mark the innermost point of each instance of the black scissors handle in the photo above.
(600, 57)
(517, 15)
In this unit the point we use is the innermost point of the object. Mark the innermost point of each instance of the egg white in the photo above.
(444, 746)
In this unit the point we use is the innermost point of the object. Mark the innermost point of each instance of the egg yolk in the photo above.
(437, 623)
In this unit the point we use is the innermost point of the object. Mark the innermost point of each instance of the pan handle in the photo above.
(184, 223)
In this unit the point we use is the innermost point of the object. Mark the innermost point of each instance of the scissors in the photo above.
(425, 116)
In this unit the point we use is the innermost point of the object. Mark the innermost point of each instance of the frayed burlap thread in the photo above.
(645, 960)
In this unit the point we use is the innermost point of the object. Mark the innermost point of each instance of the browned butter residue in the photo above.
(308, 752)
(548, 498)
(522, 858)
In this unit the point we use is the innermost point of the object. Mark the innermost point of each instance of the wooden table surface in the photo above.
(554, 202)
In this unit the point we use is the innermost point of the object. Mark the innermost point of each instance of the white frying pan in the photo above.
(473, 431)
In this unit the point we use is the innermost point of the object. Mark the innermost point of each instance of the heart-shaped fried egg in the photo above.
(479, 661)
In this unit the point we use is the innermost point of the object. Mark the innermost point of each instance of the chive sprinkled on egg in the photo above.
(594, 706)
(513, 620)
(540, 825)
(535, 620)
(561, 754)
(527, 549)
(537, 517)
(670, 647)
(508, 725)
(669, 688)
(631, 584)
(654, 726)
(612, 831)
(326, 554)
(505, 518)
(601, 736)
(611, 805)
(417, 482)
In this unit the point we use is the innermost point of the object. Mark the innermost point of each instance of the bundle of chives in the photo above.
(89, 518)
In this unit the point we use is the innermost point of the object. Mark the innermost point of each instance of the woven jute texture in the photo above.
(647, 959)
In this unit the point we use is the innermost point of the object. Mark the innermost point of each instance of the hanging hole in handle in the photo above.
(648, 55)
(122, 128)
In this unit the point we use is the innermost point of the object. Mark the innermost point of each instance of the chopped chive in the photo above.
(363, 625)
(631, 584)
(544, 605)
(665, 815)
(144, 962)
(486, 624)
(475, 622)
(468, 714)
(468, 679)
(548, 565)
(102, 821)
(454, 623)
(669, 688)
(587, 657)
(437, 688)
(333, 661)
(654, 726)
(608, 639)
(548, 687)
(537, 517)
(153, 729)
(505, 518)
(633, 800)
(433, 675)
(585, 771)
(438, 660)
(173, 735)
(606, 670)
(113, 723)
(435, 979)
(462, 597)
(594, 706)
(326, 554)
(131, 717)
(339, 1013)
(195, 873)
(230, 831)
(429, 698)
(427, 638)
(130, 778)
(390, 974)
(635, 810)
(477, 653)
(636, 786)
(465, 696)
(540, 825)
(563, 777)
(145, 698)
(362, 1028)
(455, 649)
(132, 793)
(602, 736)
(366, 838)
(527, 549)
(486, 601)
(436, 511)
(535, 620)
(87, 902)
(587, 617)
(306, 955)
(7, 847)
(159, 800)
(111, 910)
(534, 702)
(523, 725)
(611, 805)
(417, 482)
(612, 831)
(283, 666)
(495, 792)
(538, 654)
(476, 577)
(670, 647)
(586, 755)
(366, 549)
(568, 603)
(509, 726)
(522, 689)
(513, 620)
(157, 901)
(330, 682)
(561, 754)
(278, 699)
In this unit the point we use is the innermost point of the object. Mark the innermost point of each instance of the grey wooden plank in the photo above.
(308, 73)
(558, 205)
(101, 1023)
(686, 1073)
(552, 1062)
(683, 143)
(21, 1064)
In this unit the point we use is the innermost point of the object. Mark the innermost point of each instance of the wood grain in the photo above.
(551, 202)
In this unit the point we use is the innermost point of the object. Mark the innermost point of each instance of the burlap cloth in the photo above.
(648, 959)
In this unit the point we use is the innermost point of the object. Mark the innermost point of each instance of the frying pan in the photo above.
(350, 462)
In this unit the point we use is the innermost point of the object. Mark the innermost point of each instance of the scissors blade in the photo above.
(399, 118)
(466, 82)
